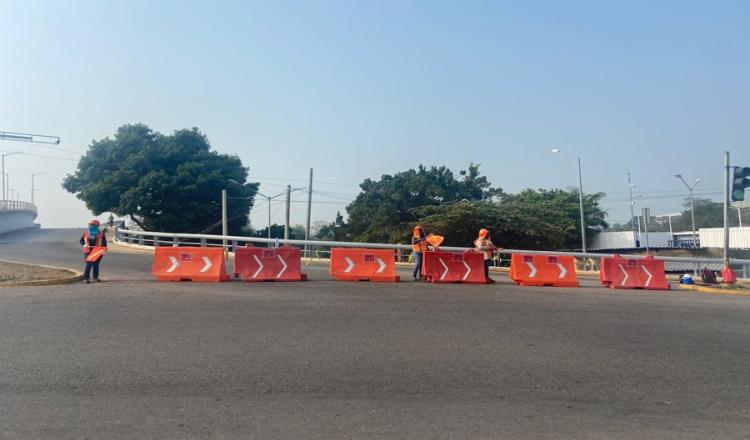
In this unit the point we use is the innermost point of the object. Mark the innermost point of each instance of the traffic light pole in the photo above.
(726, 209)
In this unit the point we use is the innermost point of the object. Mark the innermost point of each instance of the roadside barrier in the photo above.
(633, 273)
(95, 253)
(454, 267)
(189, 264)
(349, 264)
(268, 264)
(543, 270)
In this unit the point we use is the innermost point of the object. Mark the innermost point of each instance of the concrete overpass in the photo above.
(17, 215)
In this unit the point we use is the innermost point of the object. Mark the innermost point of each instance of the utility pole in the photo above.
(646, 219)
(580, 199)
(288, 206)
(632, 213)
(692, 205)
(309, 210)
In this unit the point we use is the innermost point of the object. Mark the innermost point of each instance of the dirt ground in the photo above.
(17, 272)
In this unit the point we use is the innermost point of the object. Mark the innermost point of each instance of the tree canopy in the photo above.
(163, 182)
(456, 208)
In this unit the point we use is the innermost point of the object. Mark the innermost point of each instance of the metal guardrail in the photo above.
(179, 239)
(17, 205)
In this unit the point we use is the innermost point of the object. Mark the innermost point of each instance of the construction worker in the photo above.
(92, 238)
(418, 247)
(484, 244)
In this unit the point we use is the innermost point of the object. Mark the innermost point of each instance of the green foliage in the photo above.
(386, 211)
(163, 182)
(296, 232)
(530, 220)
(335, 231)
(386, 208)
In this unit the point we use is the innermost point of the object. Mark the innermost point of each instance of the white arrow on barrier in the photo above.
(207, 266)
(649, 275)
(381, 265)
(445, 266)
(281, 272)
(563, 271)
(468, 271)
(532, 274)
(260, 266)
(175, 264)
(350, 265)
(624, 272)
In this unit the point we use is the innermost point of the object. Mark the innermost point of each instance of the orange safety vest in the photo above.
(97, 242)
(419, 247)
(480, 243)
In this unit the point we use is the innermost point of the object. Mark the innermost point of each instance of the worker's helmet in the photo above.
(484, 233)
(94, 222)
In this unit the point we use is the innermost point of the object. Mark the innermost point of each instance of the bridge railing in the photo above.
(17, 205)
(311, 246)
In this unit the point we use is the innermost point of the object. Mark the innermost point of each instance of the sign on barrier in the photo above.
(95, 253)
(543, 270)
(268, 264)
(349, 264)
(633, 273)
(454, 267)
(189, 264)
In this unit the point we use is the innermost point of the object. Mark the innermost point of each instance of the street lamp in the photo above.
(33, 188)
(580, 201)
(692, 204)
(2, 159)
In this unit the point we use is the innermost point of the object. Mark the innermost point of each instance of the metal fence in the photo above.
(316, 248)
(17, 205)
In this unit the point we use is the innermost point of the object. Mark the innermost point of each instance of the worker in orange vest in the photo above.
(484, 244)
(418, 247)
(93, 237)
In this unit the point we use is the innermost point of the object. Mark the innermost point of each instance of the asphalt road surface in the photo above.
(132, 358)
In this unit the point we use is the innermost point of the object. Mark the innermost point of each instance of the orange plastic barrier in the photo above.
(454, 267)
(543, 270)
(189, 264)
(363, 264)
(264, 264)
(95, 253)
(633, 273)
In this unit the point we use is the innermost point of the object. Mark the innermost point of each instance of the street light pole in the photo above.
(692, 204)
(632, 213)
(2, 159)
(580, 201)
(33, 189)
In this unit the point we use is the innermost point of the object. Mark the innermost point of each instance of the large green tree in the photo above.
(163, 182)
(541, 219)
(385, 208)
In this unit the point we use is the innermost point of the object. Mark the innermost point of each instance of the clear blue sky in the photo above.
(359, 89)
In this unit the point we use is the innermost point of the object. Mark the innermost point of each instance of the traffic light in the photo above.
(739, 183)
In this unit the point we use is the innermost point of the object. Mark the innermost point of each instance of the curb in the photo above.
(713, 290)
(77, 276)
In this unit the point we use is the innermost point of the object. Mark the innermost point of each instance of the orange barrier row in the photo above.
(454, 267)
(363, 265)
(268, 264)
(633, 273)
(189, 264)
(543, 270)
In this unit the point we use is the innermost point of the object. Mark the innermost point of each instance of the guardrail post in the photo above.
(175, 241)
(130, 238)
(156, 241)
(203, 242)
(234, 245)
(140, 239)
